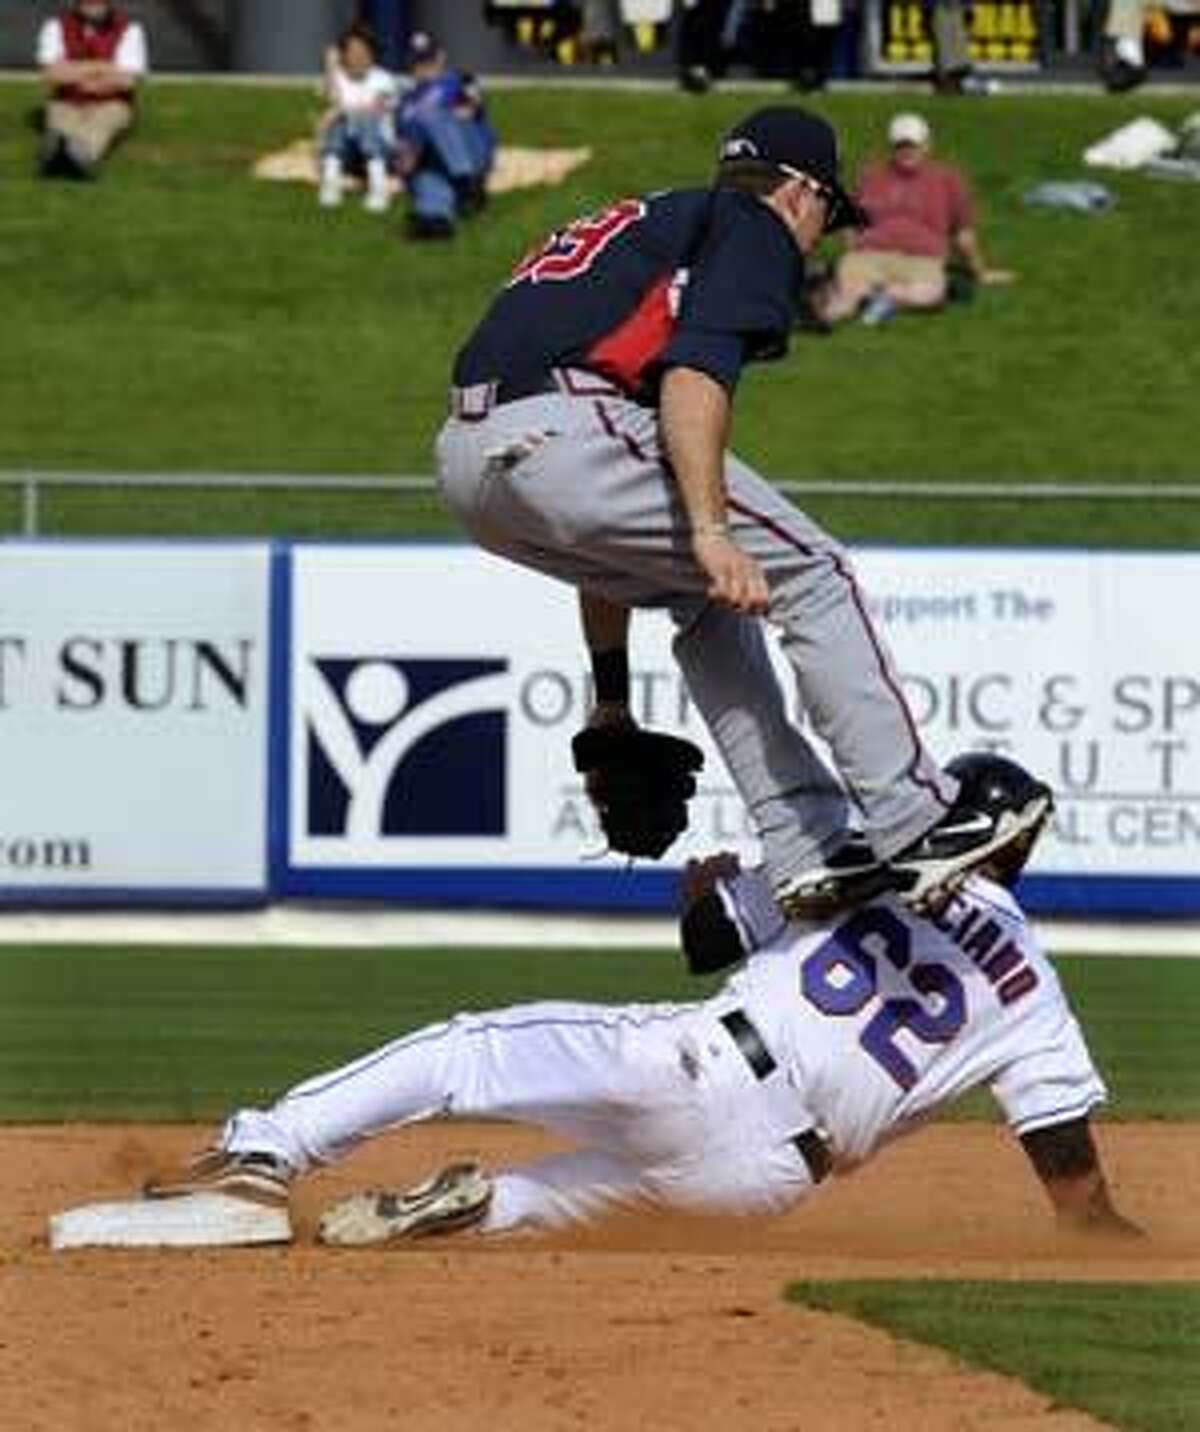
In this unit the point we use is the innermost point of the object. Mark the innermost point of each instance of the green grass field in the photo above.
(1128, 1353)
(179, 1034)
(242, 329)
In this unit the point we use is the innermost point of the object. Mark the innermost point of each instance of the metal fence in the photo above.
(33, 484)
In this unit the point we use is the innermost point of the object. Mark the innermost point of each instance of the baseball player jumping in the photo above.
(828, 1042)
(587, 439)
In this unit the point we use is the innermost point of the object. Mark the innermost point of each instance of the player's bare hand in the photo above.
(699, 876)
(735, 579)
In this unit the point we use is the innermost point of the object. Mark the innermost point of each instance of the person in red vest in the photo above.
(92, 57)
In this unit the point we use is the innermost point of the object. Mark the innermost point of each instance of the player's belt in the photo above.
(473, 403)
(810, 1144)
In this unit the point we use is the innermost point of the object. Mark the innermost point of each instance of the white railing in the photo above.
(33, 483)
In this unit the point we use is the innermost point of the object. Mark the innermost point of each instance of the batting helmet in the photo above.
(996, 785)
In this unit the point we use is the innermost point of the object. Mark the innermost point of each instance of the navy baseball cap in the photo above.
(421, 47)
(798, 142)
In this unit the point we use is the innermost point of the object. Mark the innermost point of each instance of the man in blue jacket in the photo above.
(446, 143)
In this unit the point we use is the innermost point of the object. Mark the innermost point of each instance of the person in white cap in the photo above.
(921, 212)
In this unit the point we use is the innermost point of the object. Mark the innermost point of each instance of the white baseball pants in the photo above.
(666, 1110)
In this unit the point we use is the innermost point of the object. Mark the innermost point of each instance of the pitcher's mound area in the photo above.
(649, 1325)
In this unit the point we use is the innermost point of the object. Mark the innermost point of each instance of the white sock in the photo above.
(1130, 50)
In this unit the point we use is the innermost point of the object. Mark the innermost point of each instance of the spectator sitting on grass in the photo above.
(921, 213)
(91, 57)
(445, 142)
(355, 132)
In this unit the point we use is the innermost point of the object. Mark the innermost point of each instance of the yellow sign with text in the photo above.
(1002, 34)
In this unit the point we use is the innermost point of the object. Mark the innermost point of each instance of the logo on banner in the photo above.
(405, 746)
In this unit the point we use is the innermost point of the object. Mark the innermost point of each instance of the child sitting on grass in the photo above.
(355, 132)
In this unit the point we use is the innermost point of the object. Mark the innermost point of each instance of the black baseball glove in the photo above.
(640, 783)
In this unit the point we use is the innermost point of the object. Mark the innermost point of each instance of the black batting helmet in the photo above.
(994, 784)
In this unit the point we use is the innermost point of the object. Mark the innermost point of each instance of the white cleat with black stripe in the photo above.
(258, 1178)
(456, 1198)
(851, 875)
(994, 822)
(966, 838)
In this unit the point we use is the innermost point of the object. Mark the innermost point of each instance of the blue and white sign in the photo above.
(1080, 666)
(134, 684)
(224, 722)
(423, 684)
(434, 691)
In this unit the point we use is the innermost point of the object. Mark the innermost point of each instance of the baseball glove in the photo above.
(640, 783)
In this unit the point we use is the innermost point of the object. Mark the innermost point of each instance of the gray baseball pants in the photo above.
(577, 487)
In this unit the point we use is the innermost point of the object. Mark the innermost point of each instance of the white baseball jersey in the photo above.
(861, 1028)
(886, 1016)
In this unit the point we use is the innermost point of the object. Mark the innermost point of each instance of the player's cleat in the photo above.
(453, 1199)
(257, 1178)
(849, 876)
(966, 837)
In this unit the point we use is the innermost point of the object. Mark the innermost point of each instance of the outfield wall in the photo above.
(237, 722)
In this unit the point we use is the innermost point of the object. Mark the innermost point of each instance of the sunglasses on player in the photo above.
(814, 186)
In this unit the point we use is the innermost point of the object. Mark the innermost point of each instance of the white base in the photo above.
(195, 1220)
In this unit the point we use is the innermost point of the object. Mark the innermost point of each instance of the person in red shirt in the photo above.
(92, 57)
(921, 213)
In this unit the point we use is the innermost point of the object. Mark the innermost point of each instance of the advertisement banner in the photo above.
(133, 721)
(1078, 665)
(433, 690)
(1003, 36)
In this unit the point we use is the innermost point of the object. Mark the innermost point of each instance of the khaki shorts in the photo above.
(92, 129)
(864, 268)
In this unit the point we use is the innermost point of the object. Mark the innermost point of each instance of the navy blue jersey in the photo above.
(699, 278)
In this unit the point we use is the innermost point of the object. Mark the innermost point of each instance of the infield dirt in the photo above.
(654, 1324)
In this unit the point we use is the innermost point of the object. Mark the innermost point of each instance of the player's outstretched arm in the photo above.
(1066, 1161)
